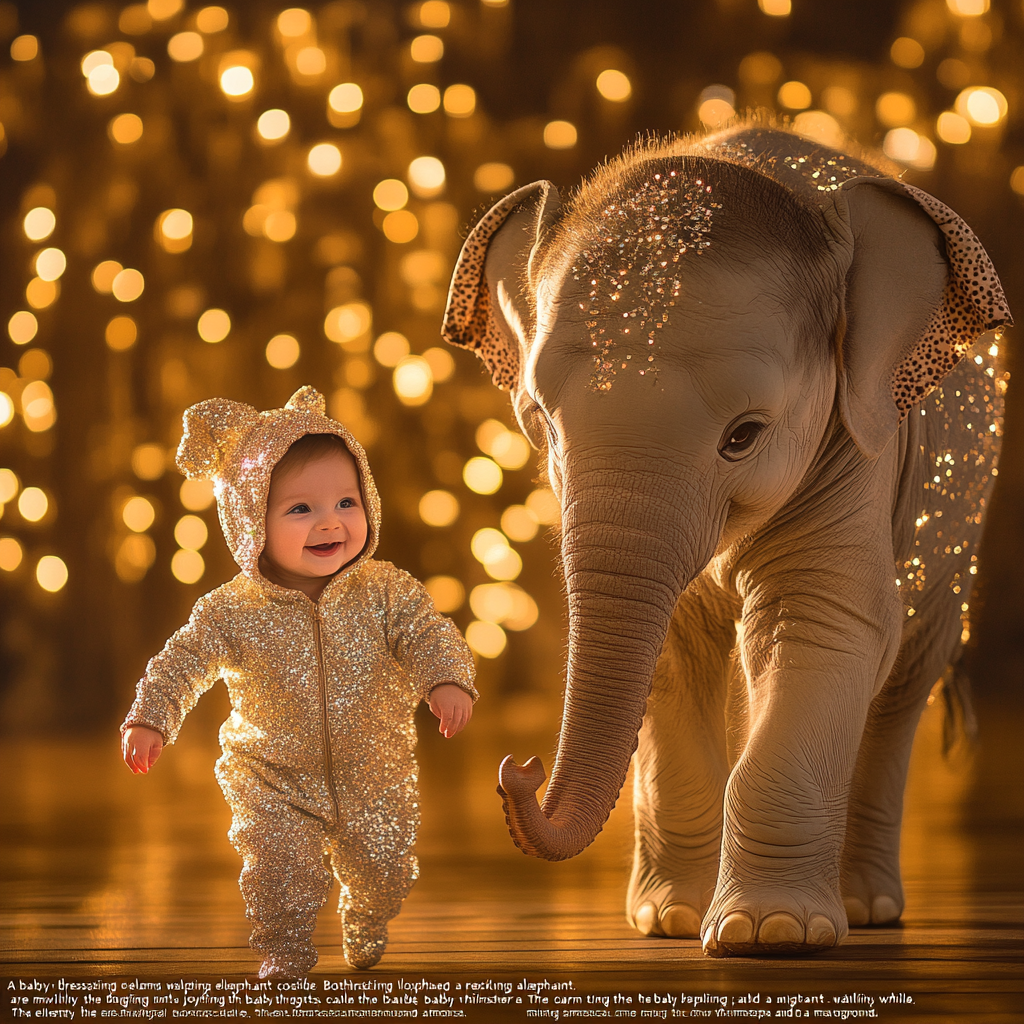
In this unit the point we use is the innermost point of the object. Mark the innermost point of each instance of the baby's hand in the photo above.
(140, 748)
(453, 706)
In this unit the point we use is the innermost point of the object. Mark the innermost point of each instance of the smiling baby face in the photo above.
(316, 521)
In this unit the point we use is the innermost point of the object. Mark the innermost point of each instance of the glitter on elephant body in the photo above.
(631, 270)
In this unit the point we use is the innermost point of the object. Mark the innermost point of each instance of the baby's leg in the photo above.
(373, 861)
(283, 881)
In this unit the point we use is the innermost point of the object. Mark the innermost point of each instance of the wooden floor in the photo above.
(105, 876)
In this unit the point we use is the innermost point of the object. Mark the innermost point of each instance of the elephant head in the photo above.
(682, 339)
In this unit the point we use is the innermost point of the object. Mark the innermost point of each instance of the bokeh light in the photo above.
(187, 566)
(50, 264)
(895, 109)
(11, 554)
(486, 638)
(103, 80)
(482, 475)
(191, 532)
(185, 46)
(426, 176)
(173, 230)
(138, 514)
(544, 505)
(282, 351)
(794, 95)
(9, 485)
(426, 49)
(401, 226)
(390, 194)
(519, 523)
(103, 276)
(149, 461)
(214, 326)
(237, 81)
(776, 8)
(345, 98)
(439, 508)
(273, 125)
(324, 159)
(413, 381)
(39, 223)
(952, 128)
(211, 20)
(33, 504)
(121, 333)
(434, 14)
(196, 495)
(51, 573)
(982, 106)
(493, 177)
(614, 85)
(127, 285)
(441, 363)
(347, 322)
(459, 100)
(423, 98)
(907, 53)
(560, 135)
(447, 592)
(24, 48)
(294, 22)
(39, 293)
(125, 129)
(390, 348)
(22, 327)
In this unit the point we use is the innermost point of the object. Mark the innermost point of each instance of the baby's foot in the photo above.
(365, 938)
(288, 964)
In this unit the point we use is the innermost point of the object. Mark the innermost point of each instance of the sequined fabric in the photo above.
(318, 749)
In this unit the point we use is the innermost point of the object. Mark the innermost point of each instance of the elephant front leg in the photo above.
(813, 665)
(680, 773)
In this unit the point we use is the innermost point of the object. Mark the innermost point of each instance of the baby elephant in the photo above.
(749, 362)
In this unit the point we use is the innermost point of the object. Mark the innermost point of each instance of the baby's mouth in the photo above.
(324, 550)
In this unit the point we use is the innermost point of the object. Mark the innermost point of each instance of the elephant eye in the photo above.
(536, 425)
(740, 439)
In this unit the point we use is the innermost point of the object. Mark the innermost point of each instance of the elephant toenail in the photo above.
(780, 928)
(737, 927)
(857, 913)
(884, 910)
(820, 931)
(646, 919)
(680, 921)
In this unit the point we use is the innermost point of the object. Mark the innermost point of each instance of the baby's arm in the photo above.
(453, 705)
(140, 747)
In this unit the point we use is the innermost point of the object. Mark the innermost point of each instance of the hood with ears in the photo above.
(238, 447)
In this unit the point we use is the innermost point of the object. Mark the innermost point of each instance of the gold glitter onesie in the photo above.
(318, 749)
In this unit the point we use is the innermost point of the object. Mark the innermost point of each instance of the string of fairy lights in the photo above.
(417, 211)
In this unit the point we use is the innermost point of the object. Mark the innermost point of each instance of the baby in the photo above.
(326, 654)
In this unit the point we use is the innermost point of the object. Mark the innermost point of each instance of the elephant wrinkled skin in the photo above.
(746, 358)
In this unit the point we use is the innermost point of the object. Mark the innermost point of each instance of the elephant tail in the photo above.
(960, 722)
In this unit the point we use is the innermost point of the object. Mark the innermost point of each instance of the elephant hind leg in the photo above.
(870, 881)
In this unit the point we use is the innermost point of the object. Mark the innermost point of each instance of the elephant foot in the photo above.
(671, 907)
(872, 891)
(772, 921)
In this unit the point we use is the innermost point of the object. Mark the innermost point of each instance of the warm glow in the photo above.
(485, 638)
(35, 364)
(441, 363)
(96, 59)
(39, 293)
(185, 46)
(424, 98)
(214, 325)
(273, 125)
(907, 53)
(39, 223)
(980, 105)
(103, 276)
(839, 100)
(196, 495)
(459, 100)
(426, 176)
(760, 68)
(426, 49)
(348, 322)
(324, 159)
(413, 381)
(103, 80)
(952, 128)
(488, 543)
(174, 230)
(24, 48)
(1017, 180)
(905, 145)
(51, 573)
(161, 10)
(191, 533)
(6, 409)
(294, 22)
(9, 485)
(795, 95)
(237, 81)
(345, 98)
(776, 8)
(50, 264)
(968, 8)
(400, 226)
(282, 351)
(390, 194)
(125, 129)
(504, 603)
(212, 19)
(280, 225)
(135, 554)
(439, 508)
(493, 177)
(11, 555)
(311, 61)
(138, 514)
(149, 461)
(715, 112)
(446, 592)
(560, 135)
(504, 566)
(390, 348)
(37, 406)
(821, 127)
(482, 475)
(187, 566)
(544, 505)
(895, 109)
(128, 285)
(121, 333)
(435, 14)
(33, 504)
(509, 449)
(519, 523)
(22, 327)
(614, 85)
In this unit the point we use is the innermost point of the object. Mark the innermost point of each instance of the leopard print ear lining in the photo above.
(468, 319)
(972, 304)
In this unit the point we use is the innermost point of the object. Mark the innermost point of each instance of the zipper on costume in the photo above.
(325, 725)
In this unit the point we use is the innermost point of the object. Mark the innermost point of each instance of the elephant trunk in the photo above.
(628, 554)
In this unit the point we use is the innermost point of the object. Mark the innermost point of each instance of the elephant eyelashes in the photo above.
(741, 439)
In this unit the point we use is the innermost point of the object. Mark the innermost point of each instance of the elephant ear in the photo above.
(920, 290)
(488, 301)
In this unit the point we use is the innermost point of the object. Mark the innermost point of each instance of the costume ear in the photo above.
(488, 301)
(920, 290)
(308, 399)
(211, 429)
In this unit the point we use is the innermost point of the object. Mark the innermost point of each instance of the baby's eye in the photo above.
(298, 508)
(347, 503)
